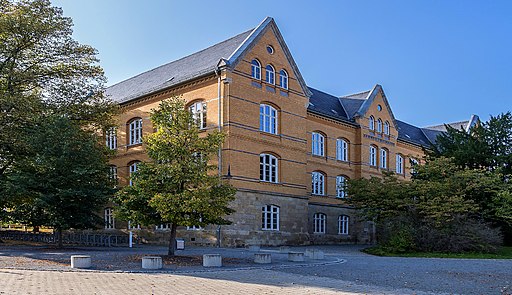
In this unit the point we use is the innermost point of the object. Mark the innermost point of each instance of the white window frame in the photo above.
(164, 226)
(386, 128)
(341, 186)
(132, 169)
(269, 168)
(373, 155)
(130, 227)
(414, 162)
(317, 144)
(268, 119)
(379, 125)
(371, 123)
(317, 183)
(384, 158)
(135, 131)
(343, 224)
(111, 138)
(399, 164)
(341, 149)
(270, 217)
(198, 111)
(319, 223)
(283, 79)
(270, 75)
(110, 222)
(196, 227)
(256, 69)
(113, 173)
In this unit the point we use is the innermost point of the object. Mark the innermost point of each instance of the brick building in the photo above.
(289, 147)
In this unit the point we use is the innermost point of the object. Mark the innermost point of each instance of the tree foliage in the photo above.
(178, 185)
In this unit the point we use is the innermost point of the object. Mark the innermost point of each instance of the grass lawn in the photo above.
(503, 253)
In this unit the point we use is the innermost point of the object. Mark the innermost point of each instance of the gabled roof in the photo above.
(464, 125)
(412, 134)
(326, 105)
(205, 62)
(369, 100)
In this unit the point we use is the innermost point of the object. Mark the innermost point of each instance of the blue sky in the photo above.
(438, 61)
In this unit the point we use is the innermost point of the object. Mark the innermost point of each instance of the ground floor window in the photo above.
(134, 226)
(109, 218)
(165, 226)
(270, 217)
(343, 224)
(319, 223)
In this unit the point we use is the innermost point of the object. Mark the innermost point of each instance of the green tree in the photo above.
(178, 185)
(65, 183)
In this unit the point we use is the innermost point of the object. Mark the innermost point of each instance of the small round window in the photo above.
(379, 107)
(270, 49)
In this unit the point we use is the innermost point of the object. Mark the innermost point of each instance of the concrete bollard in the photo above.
(315, 254)
(296, 256)
(212, 260)
(284, 249)
(254, 248)
(80, 261)
(262, 258)
(151, 262)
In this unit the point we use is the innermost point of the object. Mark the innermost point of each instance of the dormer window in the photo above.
(371, 123)
(270, 74)
(256, 69)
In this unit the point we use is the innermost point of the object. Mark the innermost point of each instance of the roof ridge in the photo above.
(442, 124)
(181, 58)
(357, 93)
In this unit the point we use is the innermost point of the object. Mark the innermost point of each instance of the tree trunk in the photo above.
(172, 240)
(35, 229)
(59, 237)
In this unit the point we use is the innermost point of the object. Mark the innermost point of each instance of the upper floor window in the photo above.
(373, 155)
(270, 217)
(414, 163)
(341, 150)
(109, 218)
(283, 79)
(198, 111)
(268, 168)
(386, 128)
(256, 69)
(371, 123)
(317, 183)
(135, 132)
(341, 186)
(270, 74)
(111, 138)
(399, 164)
(319, 220)
(133, 169)
(317, 144)
(379, 125)
(343, 224)
(113, 173)
(268, 119)
(383, 158)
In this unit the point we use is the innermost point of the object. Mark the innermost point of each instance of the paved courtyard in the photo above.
(344, 271)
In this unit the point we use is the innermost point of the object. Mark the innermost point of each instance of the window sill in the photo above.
(317, 195)
(270, 134)
(318, 156)
(275, 230)
(133, 145)
(269, 183)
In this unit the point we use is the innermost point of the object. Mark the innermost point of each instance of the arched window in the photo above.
(283, 79)
(341, 186)
(341, 149)
(386, 128)
(317, 183)
(383, 159)
(133, 169)
(371, 123)
(109, 218)
(270, 217)
(373, 155)
(379, 125)
(268, 119)
(198, 111)
(319, 223)
(111, 138)
(256, 69)
(135, 131)
(268, 168)
(317, 144)
(343, 224)
(270, 74)
(399, 164)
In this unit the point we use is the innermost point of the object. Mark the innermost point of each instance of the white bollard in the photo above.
(80, 261)
(151, 262)
(296, 256)
(212, 260)
(254, 248)
(262, 258)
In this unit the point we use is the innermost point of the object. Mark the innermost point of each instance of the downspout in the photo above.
(219, 155)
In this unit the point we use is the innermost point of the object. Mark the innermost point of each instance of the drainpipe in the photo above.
(219, 155)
